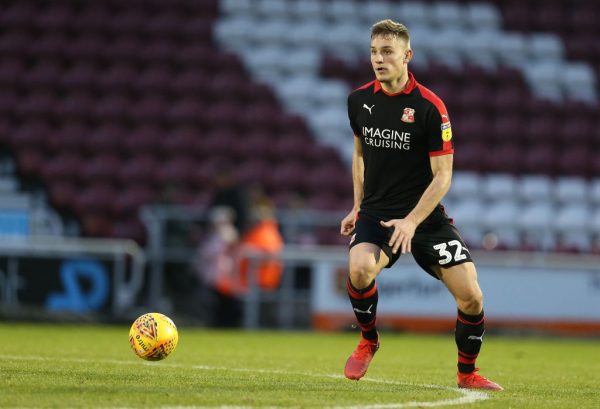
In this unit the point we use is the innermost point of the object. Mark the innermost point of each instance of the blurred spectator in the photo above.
(217, 270)
(264, 238)
(228, 192)
(225, 261)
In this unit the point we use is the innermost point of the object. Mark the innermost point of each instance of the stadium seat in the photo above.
(497, 186)
(570, 190)
(465, 185)
(535, 187)
(376, 10)
(140, 169)
(535, 221)
(101, 168)
(103, 139)
(75, 107)
(477, 15)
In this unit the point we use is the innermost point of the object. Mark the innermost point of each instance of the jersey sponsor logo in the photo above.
(386, 138)
(365, 106)
(408, 115)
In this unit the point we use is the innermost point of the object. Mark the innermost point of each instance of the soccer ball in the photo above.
(153, 336)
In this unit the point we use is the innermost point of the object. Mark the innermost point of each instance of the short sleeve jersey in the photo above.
(399, 133)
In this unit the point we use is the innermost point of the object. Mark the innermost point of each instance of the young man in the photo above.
(401, 169)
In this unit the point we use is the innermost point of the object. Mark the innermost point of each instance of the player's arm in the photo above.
(441, 167)
(358, 175)
(404, 229)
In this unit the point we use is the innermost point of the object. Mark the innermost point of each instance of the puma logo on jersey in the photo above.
(365, 106)
(368, 310)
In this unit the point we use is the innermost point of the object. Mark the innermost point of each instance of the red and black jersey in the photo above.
(399, 132)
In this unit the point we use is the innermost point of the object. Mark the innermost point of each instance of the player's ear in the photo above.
(408, 56)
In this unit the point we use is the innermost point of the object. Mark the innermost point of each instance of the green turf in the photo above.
(53, 366)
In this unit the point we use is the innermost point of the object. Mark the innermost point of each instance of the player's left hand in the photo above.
(404, 230)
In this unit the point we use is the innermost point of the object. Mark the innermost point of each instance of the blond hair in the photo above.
(390, 28)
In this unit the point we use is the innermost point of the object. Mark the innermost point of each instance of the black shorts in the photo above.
(434, 244)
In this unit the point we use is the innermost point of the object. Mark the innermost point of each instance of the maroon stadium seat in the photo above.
(141, 169)
(540, 158)
(143, 140)
(154, 79)
(102, 168)
(111, 108)
(81, 76)
(118, 77)
(92, 18)
(132, 198)
(62, 194)
(53, 18)
(68, 138)
(64, 167)
(104, 139)
(11, 71)
(151, 109)
(177, 170)
(289, 176)
(30, 161)
(126, 23)
(30, 135)
(75, 107)
(36, 105)
(575, 161)
(49, 46)
(17, 15)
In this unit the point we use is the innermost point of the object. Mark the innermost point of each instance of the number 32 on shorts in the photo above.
(442, 248)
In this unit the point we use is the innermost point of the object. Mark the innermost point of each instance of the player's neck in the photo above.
(396, 85)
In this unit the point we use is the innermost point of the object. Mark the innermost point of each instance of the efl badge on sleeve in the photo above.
(408, 116)
(446, 132)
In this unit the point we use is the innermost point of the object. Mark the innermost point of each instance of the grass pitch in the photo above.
(80, 366)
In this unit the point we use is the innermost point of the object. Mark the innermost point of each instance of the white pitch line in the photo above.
(469, 396)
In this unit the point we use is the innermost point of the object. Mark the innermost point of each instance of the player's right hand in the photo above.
(347, 225)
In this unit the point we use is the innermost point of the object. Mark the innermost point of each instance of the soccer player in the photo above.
(401, 170)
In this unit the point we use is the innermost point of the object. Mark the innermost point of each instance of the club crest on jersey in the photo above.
(408, 115)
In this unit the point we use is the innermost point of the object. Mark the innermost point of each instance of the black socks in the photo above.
(364, 304)
(469, 336)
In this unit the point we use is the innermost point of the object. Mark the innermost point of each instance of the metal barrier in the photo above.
(558, 292)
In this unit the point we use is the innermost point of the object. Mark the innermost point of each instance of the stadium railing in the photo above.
(525, 291)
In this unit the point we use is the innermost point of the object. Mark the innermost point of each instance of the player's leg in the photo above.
(461, 281)
(366, 260)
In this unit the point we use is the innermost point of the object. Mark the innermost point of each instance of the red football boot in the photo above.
(358, 363)
(475, 381)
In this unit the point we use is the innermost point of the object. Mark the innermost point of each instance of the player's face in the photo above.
(389, 56)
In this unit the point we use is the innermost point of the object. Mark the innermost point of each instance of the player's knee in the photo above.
(362, 274)
(471, 304)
